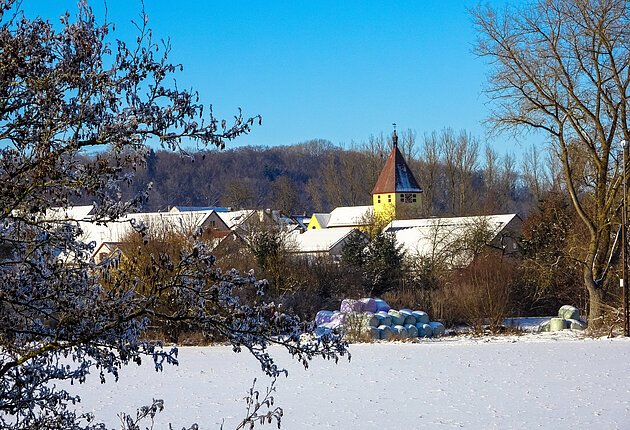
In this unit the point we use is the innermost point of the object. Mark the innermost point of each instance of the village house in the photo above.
(396, 203)
(323, 243)
(454, 241)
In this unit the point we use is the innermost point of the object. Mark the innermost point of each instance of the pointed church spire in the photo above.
(395, 137)
(396, 176)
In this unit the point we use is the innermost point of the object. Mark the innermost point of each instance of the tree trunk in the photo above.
(595, 300)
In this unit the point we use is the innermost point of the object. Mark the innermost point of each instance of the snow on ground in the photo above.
(546, 380)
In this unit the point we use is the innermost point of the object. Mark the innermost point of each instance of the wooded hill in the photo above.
(316, 176)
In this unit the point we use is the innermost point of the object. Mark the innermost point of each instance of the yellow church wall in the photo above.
(384, 206)
(396, 205)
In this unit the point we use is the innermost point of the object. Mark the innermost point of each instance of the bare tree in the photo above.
(408, 145)
(284, 195)
(430, 172)
(460, 161)
(536, 173)
(563, 67)
(239, 194)
(65, 90)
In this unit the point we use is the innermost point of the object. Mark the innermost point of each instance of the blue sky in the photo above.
(335, 70)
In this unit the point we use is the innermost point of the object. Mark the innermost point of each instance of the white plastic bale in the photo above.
(412, 330)
(369, 305)
(351, 305)
(397, 317)
(424, 330)
(400, 331)
(375, 333)
(371, 320)
(381, 305)
(558, 324)
(421, 317)
(323, 316)
(544, 327)
(383, 319)
(385, 332)
(324, 329)
(569, 312)
(409, 317)
(438, 328)
(576, 324)
(339, 318)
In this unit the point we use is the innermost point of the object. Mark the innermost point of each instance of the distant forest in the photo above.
(457, 174)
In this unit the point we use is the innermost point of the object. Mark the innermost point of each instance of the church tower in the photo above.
(396, 192)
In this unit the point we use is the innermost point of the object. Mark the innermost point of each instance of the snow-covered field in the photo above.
(547, 380)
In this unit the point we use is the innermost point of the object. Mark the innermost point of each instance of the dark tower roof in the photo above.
(396, 176)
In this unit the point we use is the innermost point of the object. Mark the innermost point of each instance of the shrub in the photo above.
(479, 295)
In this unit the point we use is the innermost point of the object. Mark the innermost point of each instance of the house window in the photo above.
(389, 198)
(378, 199)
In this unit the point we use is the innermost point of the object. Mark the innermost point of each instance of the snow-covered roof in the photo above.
(494, 222)
(320, 240)
(76, 213)
(235, 218)
(322, 219)
(441, 238)
(198, 208)
(115, 231)
(348, 216)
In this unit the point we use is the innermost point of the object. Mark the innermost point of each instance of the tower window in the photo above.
(408, 198)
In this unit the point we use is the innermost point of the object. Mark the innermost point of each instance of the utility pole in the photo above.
(624, 243)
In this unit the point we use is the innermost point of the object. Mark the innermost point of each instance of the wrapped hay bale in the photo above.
(381, 305)
(338, 319)
(568, 312)
(424, 330)
(374, 333)
(421, 317)
(324, 329)
(323, 317)
(351, 305)
(576, 324)
(412, 330)
(397, 317)
(369, 305)
(385, 332)
(383, 318)
(371, 320)
(400, 331)
(544, 327)
(558, 324)
(409, 317)
(438, 328)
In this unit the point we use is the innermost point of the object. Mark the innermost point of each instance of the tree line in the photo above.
(458, 175)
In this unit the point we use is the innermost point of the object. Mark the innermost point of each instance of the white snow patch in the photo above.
(547, 380)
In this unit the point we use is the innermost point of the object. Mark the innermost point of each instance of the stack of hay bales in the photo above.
(374, 318)
(568, 318)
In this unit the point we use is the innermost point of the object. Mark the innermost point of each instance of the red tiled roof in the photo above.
(396, 176)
